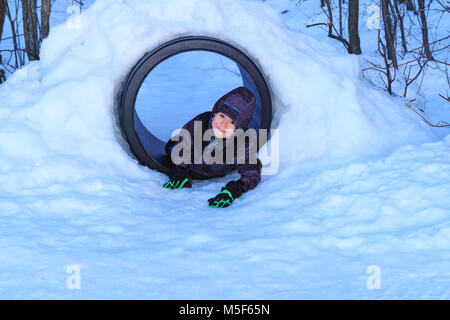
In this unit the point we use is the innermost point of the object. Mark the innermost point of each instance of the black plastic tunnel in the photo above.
(146, 147)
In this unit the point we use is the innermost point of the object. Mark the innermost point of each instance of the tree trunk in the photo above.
(30, 29)
(340, 18)
(331, 26)
(353, 35)
(409, 5)
(400, 16)
(389, 77)
(389, 34)
(45, 18)
(17, 57)
(2, 17)
(2, 21)
(423, 20)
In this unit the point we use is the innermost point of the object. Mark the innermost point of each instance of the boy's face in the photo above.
(223, 126)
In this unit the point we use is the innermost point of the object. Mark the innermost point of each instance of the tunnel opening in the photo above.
(145, 145)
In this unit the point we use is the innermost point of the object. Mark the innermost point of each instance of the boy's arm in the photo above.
(183, 168)
(249, 167)
(250, 172)
(250, 178)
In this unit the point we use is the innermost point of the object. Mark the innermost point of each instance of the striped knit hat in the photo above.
(239, 104)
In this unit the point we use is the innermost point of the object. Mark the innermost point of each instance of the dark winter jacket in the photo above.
(239, 104)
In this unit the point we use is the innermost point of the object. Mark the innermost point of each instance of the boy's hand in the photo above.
(176, 183)
(222, 200)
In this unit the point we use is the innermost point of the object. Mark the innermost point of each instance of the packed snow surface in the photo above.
(362, 181)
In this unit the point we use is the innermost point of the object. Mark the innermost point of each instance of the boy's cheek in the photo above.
(219, 133)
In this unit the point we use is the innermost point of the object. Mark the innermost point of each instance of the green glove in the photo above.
(222, 200)
(176, 183)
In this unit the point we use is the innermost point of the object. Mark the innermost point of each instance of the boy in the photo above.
(231, 112)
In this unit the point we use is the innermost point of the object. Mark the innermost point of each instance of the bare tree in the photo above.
(30, 29)
(400, 14)
(409, 5)
(445, 7)
(408, 79)
(46, 8)
(338, 36)
(2, 22)
(27, 30)
(390, 77)
(424, 25)
(353, 44)
(390, 26)
(2, 18)
(340, 16)
(353, 35)
(17, 52)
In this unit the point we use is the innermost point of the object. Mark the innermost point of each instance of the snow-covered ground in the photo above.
(363, 183)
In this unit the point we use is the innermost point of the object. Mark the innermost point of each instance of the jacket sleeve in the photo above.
(250, 176)
(183, 169)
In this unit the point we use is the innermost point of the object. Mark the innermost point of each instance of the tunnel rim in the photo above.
(127, 95)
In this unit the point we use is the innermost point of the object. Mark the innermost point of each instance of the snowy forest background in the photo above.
(360, 205)
(411, 43)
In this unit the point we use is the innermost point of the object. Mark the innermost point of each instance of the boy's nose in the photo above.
(225, 122)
